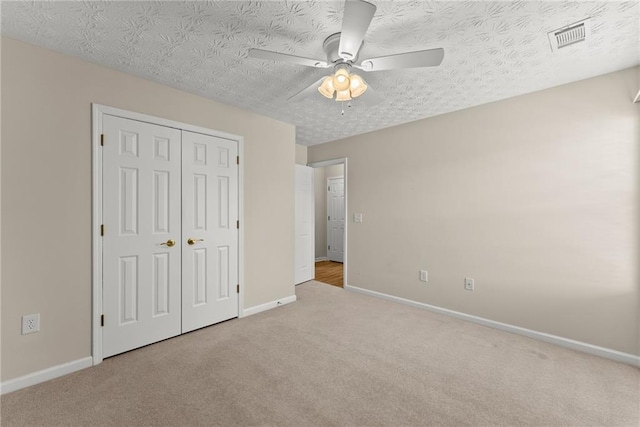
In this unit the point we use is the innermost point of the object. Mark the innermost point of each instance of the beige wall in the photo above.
(46, 195)
(301, 155)
(320, 193)
(535, 197)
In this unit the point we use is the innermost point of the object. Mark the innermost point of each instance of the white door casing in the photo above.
(304, 225)
(335, 219)
(141, 282)
(209, 219)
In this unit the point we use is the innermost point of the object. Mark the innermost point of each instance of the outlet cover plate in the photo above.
(468, 283)
(30, 323)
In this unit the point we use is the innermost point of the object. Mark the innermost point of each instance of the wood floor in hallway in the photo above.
(329, 272)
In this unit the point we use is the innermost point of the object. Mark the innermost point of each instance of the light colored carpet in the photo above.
(337, 358)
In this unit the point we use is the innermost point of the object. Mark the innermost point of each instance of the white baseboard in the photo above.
(322, 258)
(608, 353)
(45, 375)
(268, 306)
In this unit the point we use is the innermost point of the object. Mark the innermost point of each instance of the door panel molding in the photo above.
(129, 145)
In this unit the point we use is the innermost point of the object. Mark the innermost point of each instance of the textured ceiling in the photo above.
(493, 50)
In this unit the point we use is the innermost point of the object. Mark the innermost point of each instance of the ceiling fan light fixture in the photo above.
(344, 85)
(326, 88)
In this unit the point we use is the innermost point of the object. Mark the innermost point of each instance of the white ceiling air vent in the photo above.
(571, 34)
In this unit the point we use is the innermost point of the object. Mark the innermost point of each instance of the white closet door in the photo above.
(141, 214)
(304, 262)
(209, 230)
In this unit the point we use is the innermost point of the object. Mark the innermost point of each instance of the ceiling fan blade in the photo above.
(357, 17)
(420, 58)
(283, 57)
(311, 89)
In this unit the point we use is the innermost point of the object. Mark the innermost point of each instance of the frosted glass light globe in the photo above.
(341, 80)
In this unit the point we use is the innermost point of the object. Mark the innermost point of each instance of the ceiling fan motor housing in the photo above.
(331, 47)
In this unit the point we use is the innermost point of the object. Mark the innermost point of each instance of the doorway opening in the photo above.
(330, 204)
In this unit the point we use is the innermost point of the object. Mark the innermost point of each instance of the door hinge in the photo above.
(237, 289)
(238, 224)
(102, 230)
(328, 188)
(328, 218)
(329, 247)
(102, 139)
(237, 160)
(102, 320)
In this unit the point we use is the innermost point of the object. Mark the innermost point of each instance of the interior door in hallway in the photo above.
(335, 219)
(209, 230)
(304, 262)
(141, 249)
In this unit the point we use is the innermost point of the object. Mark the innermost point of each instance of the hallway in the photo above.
(329, 272)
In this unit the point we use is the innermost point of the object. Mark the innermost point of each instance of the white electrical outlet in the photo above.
(468, 283)
(30, 323)
(424, 276)
(357, 217)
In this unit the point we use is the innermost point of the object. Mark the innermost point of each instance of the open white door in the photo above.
(304, 225)
(141, 243)
(335, 219)
(209, 230)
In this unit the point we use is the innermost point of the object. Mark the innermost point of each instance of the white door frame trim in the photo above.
(331, 162)
(98, 111)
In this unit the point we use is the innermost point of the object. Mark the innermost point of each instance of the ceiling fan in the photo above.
(342, 54)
